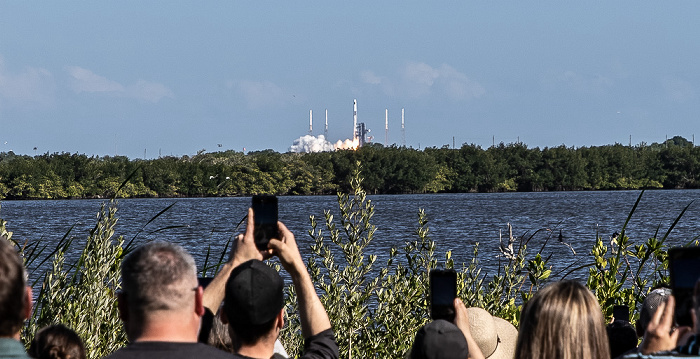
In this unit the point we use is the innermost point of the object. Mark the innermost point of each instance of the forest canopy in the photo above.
(674, 163)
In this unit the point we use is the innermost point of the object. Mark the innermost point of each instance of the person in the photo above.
(57, 342)
(441, 339)
(649, 306)
(663, 340)
(622, 337)
(15, 301)
(496, 337)
(253, 297)
(160, 305)
(562, 321)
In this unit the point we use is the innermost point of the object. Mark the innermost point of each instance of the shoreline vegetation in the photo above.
(673, 164)
(375, 308)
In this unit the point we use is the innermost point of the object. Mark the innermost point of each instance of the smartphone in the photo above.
(265, 224)
(621, 312)
(443, 291)
(684, 265)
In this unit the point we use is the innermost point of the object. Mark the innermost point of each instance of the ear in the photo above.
(198, 306)
(280, 319)
(28, 302)
(123, 307)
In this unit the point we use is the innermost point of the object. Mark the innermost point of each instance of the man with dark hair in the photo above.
(441, 339)
(254, 298)
(161, 305)
(15, 301)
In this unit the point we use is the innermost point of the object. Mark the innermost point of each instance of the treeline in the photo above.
(505, 167)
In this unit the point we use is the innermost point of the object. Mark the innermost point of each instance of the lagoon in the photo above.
(456, 221)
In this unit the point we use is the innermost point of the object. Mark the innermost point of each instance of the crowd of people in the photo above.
(167, 314)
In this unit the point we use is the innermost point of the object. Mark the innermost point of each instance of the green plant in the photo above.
(83, 295)
(622, 272)
(376, 311)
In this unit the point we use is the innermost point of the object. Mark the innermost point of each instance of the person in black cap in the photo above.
(253, 296)
(441, 339)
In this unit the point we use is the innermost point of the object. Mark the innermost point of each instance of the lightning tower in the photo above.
(403, 131)
(386, 127)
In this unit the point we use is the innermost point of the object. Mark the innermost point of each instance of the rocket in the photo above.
(354, 120)
(311, 121)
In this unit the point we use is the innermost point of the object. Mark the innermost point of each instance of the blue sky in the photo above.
(176, 77)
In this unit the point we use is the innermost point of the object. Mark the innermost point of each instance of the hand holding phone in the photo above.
(265, 215)
(443, 291)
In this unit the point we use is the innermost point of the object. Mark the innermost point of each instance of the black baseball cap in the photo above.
(254, 293)
(439, 339)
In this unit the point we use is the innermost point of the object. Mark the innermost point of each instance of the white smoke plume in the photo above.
(310, 143)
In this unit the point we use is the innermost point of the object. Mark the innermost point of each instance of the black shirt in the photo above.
(319, 346)
(169, 350)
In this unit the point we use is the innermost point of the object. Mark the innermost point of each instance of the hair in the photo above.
(158, 276)
(57, 342)
(13, 281)
(219, 336)
(562, 321)
(622, 337)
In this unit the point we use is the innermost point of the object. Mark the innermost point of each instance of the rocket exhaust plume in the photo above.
(311, 122)
(309, 143)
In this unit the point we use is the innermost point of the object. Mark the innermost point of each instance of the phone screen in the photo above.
(443, 290)
(265, 224)
(684, 265)
(621, 312)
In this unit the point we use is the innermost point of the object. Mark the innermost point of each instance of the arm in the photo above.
(462, 322)
(243, 250)
(314, 318)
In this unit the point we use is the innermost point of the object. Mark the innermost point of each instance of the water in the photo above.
(456, 221)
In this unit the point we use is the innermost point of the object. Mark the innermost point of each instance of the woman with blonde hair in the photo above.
(562, 321)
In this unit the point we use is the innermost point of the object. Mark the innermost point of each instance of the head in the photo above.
(15, 296)
(57, 342)
(495, 337)
(648, 308)
(622, 337)
(159, 282)
(562, 321)
(254, 303)
(439, 339)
